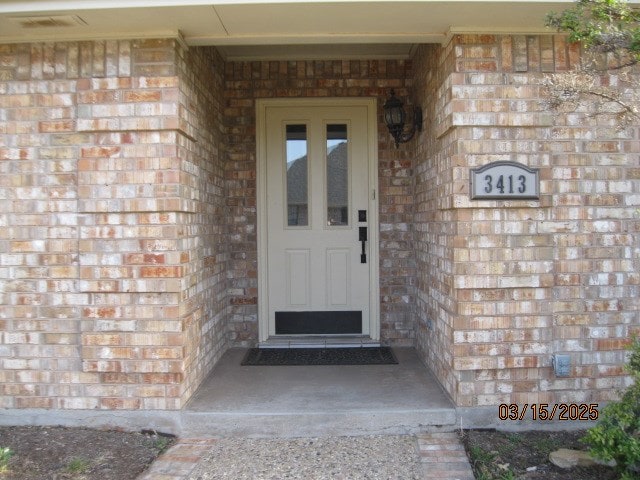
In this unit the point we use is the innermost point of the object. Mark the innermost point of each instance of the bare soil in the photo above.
(525, 456)
(59, 453)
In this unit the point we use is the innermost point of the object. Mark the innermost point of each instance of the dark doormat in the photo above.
(320, 356)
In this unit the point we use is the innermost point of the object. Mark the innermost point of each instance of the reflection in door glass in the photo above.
(297, 176)
(337, 175)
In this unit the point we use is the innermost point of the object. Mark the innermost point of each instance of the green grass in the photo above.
(507, 448)
(484, 465)
(545, 445)
(480, 455)
(5, 456)
(78, 465)
(161, 443)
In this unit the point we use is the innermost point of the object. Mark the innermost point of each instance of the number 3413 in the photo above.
(505, 184)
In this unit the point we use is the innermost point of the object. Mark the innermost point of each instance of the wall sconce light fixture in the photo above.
(394, 117)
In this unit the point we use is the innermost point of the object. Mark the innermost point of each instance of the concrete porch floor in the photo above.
(293, 401)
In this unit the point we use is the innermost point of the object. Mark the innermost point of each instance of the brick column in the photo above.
(152, 249)
(130, 259)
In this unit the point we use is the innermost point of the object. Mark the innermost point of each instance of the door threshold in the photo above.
(342, 341)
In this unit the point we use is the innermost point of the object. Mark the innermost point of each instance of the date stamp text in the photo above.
(547, 412)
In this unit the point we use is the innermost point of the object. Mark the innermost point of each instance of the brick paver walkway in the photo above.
(441, 454)
(177, 462)
(443, 457)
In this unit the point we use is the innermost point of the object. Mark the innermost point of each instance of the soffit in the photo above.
(266, 29)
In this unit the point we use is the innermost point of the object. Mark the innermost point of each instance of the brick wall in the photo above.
(204, 249)
(128, 257)
(246, 81)
(503, 285)
(434, 220)
(113, 257)
(128, 215)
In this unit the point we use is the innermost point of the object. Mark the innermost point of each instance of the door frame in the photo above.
(262, 106)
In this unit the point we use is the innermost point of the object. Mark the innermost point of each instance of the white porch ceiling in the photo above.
(263, 29)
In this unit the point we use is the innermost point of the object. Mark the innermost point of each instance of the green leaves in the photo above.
(634, 359)
(609, 32)
(617, 434)
(601, 26)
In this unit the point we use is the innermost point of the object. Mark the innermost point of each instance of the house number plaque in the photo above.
(504, 180)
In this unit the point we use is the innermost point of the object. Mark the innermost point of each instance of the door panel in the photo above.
(315, 179)
(298, 277)
(338, 277)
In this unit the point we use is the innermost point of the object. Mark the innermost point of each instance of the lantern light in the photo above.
(394, 117)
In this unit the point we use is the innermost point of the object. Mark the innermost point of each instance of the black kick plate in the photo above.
(319, 323)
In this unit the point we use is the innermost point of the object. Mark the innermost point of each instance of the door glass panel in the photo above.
(337, 175)
(297, 176)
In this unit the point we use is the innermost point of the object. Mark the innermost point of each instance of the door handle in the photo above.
(362, 237)
(362, 234)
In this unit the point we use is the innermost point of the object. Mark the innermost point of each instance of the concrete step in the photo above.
(316, 424)
(289, 401)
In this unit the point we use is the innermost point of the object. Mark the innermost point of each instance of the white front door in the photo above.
(317, 218)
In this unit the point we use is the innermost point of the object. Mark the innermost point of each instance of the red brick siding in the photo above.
(502, 286)
(204, 303)
(115, 260)
(128, 240)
